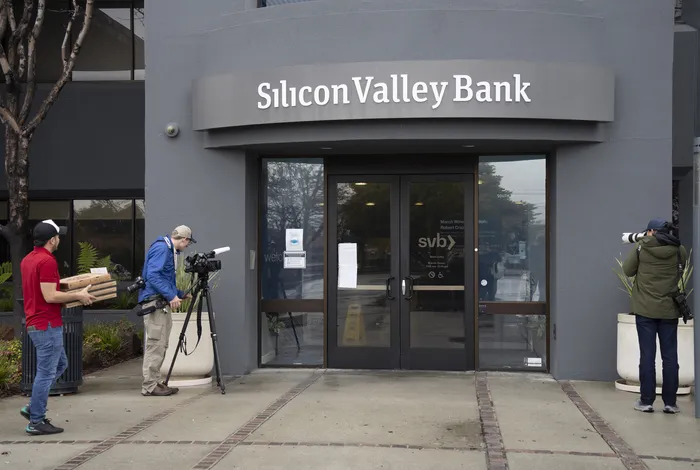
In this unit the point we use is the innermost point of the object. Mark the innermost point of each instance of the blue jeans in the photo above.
(51, 362)
(667, 330)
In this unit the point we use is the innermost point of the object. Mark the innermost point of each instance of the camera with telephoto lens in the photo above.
(632, 237)
(138, 284)
(201, 263)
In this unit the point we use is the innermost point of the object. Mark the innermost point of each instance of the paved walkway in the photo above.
(327, 419)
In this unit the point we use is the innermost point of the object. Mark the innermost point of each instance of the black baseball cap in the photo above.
(47, 229)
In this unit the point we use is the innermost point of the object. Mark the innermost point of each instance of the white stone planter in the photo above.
(194, 369)
(628, 356)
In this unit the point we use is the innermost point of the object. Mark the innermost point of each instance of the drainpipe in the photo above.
(696, 279)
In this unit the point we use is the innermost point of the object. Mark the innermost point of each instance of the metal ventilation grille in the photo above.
(272, 3)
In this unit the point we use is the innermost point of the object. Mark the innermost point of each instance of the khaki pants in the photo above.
(157, 326)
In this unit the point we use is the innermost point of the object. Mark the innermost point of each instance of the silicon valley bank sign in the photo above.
(453, 89)
(397, 89)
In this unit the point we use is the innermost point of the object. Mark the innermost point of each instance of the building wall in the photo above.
(92, 141)
(590, 205)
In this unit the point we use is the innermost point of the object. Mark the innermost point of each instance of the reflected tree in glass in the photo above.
(293, 199)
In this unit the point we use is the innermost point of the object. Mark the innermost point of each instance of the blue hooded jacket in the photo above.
(159, 271)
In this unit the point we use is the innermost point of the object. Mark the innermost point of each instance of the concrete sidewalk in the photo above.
(328, 419)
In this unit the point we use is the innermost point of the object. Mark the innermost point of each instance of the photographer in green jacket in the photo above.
(654, 262)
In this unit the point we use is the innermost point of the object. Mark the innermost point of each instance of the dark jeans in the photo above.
(51, 362)
(667, 330)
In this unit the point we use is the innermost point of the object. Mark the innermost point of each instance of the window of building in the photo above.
(512, 273)
(114, 48)
(114, 227)
(104, 228)
(59, 212)
(292, 299)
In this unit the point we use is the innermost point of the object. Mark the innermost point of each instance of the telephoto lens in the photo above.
(629, 237)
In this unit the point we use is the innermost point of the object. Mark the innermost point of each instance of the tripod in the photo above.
(202, 287)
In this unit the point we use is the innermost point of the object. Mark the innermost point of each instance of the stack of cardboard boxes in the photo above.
(102, 286)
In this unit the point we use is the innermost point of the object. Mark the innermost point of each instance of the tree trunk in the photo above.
(16, 231)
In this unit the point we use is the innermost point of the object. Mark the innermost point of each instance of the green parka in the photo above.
(655, 266)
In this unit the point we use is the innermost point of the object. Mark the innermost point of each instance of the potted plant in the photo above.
(628, 343)
(195, 367)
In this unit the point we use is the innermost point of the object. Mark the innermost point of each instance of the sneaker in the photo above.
(24, 411)
(173, 389)
(639, 406)
(160, 391)
(42, 427)
(671, 409)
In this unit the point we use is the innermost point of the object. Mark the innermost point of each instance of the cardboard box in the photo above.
(102, 286)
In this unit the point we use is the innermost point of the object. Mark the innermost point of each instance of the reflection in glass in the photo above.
(59, 211)
(364, 219)
(108, 54)
(107, 225)
(513, 342)
(512, 235)
(437, 264)
(293, 198)
(279, 334)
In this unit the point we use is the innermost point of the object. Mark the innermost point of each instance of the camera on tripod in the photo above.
(201, 263)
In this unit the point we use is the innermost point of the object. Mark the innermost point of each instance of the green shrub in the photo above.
(10, 362)
(107, 343)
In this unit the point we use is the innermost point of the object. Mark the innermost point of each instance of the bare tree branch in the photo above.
(19, 34)
(31, 63)
(7, 117)
(67, 70)
(66, 38)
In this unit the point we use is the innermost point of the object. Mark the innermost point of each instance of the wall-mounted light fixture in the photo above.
(172, 129)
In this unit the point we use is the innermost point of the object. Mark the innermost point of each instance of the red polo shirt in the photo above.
(37, 267)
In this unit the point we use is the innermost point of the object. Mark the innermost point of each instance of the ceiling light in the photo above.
(481, 181)
(360, 184)
(419, 204)
(369, 204)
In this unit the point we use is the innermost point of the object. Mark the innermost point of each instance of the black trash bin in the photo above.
(72, 378)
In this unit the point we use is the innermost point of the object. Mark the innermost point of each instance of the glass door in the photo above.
(363, 229)
(401, 262)
(437, 268)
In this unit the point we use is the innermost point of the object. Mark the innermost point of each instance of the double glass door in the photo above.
(401, 268)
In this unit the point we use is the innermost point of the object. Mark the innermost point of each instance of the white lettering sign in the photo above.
(399, 89)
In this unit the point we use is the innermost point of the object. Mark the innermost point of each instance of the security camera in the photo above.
(172, 129)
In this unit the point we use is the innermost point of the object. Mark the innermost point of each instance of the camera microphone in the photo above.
(218, 251)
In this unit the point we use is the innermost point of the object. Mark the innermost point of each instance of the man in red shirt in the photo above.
(42, 308)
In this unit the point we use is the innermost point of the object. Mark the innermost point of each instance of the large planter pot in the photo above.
(628, 356)
(194, 369)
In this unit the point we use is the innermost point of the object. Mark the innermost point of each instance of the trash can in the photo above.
(72, 378)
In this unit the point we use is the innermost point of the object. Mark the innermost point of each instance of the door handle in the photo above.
(388, 288)
(410, 287)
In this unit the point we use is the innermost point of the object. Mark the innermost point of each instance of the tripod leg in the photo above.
(294, 329)
(182, 336)
(214, 341)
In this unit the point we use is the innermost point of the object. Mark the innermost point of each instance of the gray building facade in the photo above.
(609, 117)
(457, 173)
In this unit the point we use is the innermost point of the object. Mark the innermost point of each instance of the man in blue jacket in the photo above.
(159, 274)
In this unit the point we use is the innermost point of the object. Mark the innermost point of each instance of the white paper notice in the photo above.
(295, 260)
(98, 270)
(347, 265)
(295, 239)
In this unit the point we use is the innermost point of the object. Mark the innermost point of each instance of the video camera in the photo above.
(201, 263)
